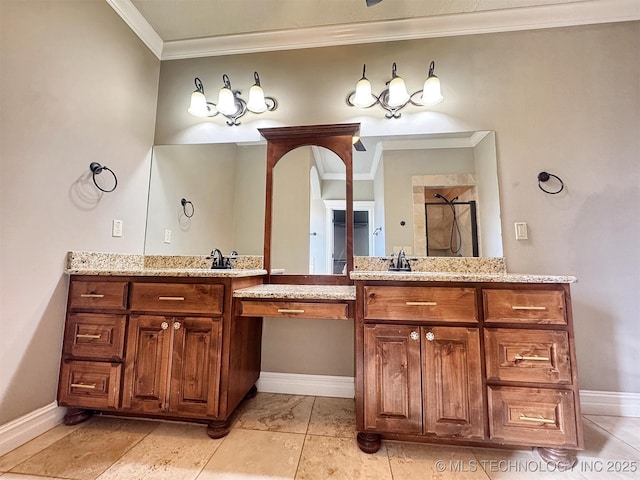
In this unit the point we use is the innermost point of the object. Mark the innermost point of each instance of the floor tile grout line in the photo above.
(610, 433)
(212, 454)
(313, 404)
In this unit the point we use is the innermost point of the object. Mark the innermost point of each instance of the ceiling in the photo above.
(175, 29)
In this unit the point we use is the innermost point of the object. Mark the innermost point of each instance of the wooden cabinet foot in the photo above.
(253, 391)
(558, 457)
(77, 415)
(218, 428)
(369, 442)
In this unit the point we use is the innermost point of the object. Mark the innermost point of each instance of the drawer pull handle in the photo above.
(537, 419)
(421, 304)
(289, 310)
(84, 385)
(172, 299)
(91, 295)
(525, 307)
(535, 358)
(88, 335)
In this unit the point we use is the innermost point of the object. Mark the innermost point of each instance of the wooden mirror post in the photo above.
(335, 137)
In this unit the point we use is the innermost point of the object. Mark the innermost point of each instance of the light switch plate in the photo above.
(167, 236)
(521, 231)
(116, 228)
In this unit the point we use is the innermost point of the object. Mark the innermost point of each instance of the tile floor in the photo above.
(277, 437)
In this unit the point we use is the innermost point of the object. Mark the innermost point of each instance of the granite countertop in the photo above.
(169, 272)
(298, 292)
(117, 264)
(460, 277)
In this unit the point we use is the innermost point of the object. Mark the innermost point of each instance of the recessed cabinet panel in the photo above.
(89, 384)
(196, 366)
(527, 355)
(532, 416)
(147, 371)
(393, 400)
(94, 335)
(447, 304)
(452, 382)
(543, 307)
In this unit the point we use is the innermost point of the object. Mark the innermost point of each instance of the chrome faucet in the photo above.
(218, 260)
(402, 263)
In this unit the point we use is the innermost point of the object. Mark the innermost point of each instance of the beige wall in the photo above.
(562, 100)
(76, 86)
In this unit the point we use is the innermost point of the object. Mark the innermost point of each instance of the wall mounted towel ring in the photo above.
(544, 177)
(96, 169)
(184, 202)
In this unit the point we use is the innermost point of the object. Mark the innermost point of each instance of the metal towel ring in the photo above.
(184, 202)
(545, 176)
(96, 169)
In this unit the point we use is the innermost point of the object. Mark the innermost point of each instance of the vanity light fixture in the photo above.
(395, 97)
(230, 104)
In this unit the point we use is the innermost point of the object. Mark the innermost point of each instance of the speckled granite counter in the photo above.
(298, 292)
(116, 264)
(460, 277)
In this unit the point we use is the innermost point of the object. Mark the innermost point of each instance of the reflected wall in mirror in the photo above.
(308, 229)
(401, 175)
(225, 183)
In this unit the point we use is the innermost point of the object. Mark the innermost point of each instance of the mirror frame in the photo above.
(281, 140)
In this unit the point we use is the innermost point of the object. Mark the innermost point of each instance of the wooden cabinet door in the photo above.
(392, 398)
(195, 370)
(148, 362)
(452, 382)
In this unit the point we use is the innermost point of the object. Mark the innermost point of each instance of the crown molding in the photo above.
(488, 21)
(132, 17)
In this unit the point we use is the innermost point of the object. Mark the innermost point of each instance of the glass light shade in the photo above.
(398, 94)
(256, 103)
(226, 102)
(431, 94)
(363, 97)
(198, 106)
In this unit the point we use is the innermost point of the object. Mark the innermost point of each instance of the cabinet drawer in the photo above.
(90, 294)
(447, 304)
(527, 355)
(177, 298)
(89, 384)
(260, 308)
(95, 335)
(524, 306)
(532, 416)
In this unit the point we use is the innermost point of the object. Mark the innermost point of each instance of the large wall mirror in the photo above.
(393, 179)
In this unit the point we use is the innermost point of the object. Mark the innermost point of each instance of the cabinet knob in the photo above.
(430, 336)
(164, 325)
(414, 336)
(176, 325)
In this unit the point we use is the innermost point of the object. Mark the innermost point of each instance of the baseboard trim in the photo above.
(617, 404)
(29, 426)
(303, 384)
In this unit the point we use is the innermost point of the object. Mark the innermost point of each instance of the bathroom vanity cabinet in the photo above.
(467, 363)
(158, 346)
